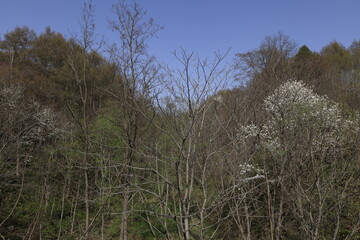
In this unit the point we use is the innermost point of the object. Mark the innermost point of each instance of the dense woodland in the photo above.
(100, 141)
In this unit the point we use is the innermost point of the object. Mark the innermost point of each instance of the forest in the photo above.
(101, 141)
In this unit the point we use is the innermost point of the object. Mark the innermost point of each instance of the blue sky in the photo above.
(202, 26)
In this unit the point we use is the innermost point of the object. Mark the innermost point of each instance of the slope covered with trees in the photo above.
(101, 142)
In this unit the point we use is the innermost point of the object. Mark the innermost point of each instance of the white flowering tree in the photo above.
(26, 127)
(25, 123)
(304, 142)
(297, 113)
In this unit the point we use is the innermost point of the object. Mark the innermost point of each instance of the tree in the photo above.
(336, 56)
(50, 50)
(350, 78)
(303, 53)
(270, 61)
(307, 65)
(16, 45)
(80, 75)
(335, 64)
(355, 53)
(27, 127)
(306, 138)
(265, 68)
(138, 73)
(189, 121)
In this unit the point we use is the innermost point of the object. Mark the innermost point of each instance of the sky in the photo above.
(201, 26)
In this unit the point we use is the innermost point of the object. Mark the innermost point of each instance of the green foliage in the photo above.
(303, 53)
(113, 228)
(140, 223)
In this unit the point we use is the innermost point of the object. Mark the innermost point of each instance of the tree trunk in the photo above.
(125, 215)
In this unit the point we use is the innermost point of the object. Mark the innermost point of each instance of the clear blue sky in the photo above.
(203, 26)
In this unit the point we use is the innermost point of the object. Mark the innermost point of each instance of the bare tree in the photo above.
(190, 96)
(265, 68)
(77, 71)
(138, 72)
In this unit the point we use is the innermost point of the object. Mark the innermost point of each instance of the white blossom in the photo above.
(35, 122)
(297, 114)
(249, 172)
